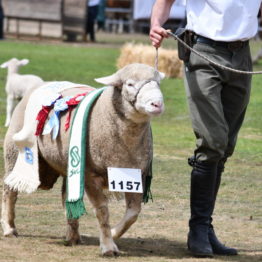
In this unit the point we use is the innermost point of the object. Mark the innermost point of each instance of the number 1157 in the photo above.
(128, 185)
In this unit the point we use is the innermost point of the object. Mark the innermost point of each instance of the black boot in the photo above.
(217, 246)
(203, 178)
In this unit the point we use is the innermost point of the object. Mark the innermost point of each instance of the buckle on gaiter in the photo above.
(191, 161)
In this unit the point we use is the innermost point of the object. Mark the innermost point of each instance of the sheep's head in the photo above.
(13, 64)
(139, 85)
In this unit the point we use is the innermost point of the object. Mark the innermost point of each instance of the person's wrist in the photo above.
(155, 24)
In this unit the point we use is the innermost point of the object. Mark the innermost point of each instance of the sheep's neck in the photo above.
(131, 133)
(12, 71)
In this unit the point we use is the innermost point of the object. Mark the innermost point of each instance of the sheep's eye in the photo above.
(130, 84)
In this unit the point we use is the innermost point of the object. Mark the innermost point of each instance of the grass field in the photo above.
(160, 232)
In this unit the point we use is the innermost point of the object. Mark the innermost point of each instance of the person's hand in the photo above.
(157, 34)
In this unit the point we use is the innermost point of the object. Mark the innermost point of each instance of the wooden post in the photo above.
(40, 29)
(7, 24)
(62, 18)
(74, 15)
(17, 27)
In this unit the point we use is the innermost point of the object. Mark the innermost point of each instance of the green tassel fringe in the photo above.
(147, 193)
(76, 209)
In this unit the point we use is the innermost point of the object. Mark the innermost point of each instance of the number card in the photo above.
(125, 180)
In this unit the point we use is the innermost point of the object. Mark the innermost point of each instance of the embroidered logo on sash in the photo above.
(75, 157)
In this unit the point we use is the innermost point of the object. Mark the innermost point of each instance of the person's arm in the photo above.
(159, 16)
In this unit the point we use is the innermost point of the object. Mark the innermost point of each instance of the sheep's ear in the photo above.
(112, 80)
(4, 65)
(162, 75)
(23, 62)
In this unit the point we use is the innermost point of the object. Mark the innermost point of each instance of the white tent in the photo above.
(143, 8)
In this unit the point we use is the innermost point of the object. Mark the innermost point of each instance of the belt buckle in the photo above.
(235, 45)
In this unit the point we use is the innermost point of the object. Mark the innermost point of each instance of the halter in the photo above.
(140, 86)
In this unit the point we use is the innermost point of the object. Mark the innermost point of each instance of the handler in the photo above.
(217, 100)
(1, 21)
(92, 11)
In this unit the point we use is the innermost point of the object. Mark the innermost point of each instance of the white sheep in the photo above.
(119, 135)
(17, 85)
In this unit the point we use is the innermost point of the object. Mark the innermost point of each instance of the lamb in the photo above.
(17, 85)
(118, 135)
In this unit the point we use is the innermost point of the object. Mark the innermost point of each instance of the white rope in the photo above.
(212, 62)
(156, 59)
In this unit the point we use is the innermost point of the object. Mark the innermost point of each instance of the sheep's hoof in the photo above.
(111, 253)
(10, 233)
(72, 242)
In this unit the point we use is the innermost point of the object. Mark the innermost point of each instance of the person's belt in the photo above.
(229, 45)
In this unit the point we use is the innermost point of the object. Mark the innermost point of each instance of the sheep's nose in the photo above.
(157, 107)
(157, 104)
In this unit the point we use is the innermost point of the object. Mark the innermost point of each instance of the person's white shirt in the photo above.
(223, 20)
(93, 2)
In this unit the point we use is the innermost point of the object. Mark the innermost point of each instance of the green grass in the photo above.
(160, 233)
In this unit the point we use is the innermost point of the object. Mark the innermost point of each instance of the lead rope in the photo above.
(156, 59)
(210, 61)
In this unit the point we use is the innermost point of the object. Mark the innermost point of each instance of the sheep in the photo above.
(17, 85)
(168, 61)
(119, 135)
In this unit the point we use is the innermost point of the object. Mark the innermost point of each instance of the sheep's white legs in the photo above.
(72, 234)
(94, 190)
(133, 208)
(9, 109)
(8, 211)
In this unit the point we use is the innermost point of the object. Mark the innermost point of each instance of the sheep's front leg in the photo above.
(9, 109)
(133, 208)
(72, 234)
(100, 203)
(8, 211)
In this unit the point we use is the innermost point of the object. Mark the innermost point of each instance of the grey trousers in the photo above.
(217, 99)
